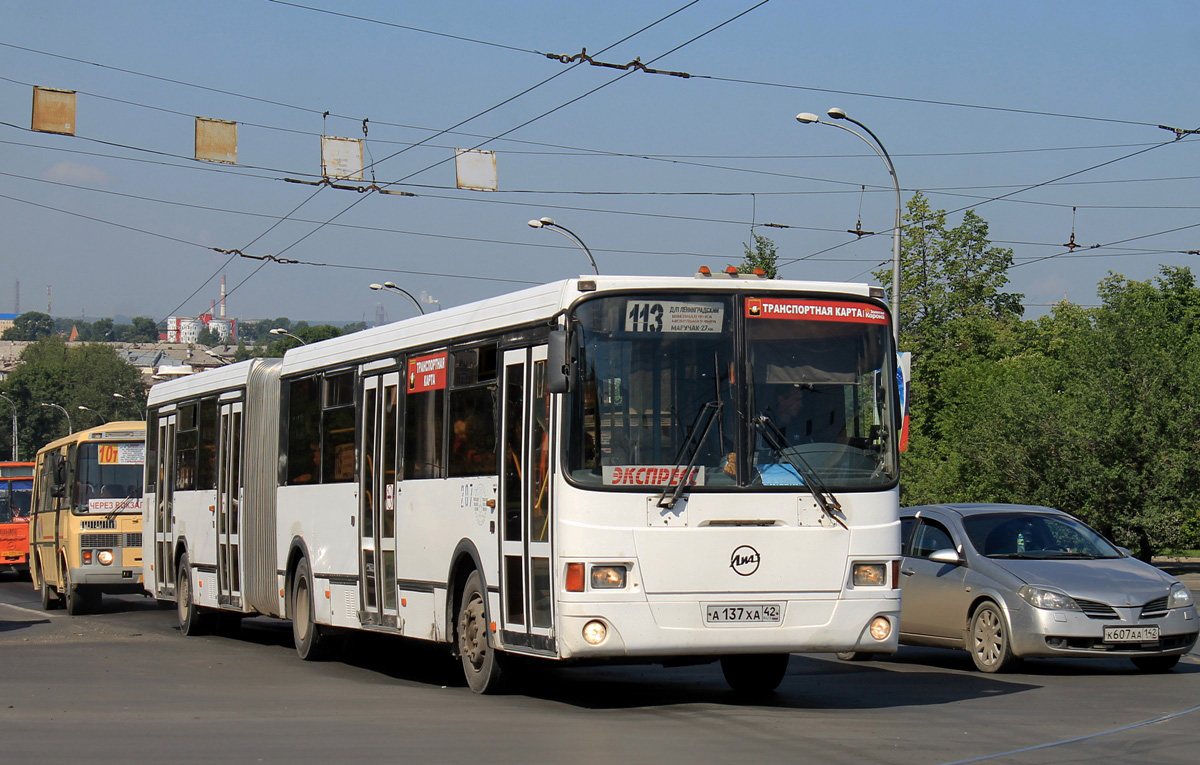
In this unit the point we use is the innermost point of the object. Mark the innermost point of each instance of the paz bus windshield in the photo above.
(108, 477)
(729, 392)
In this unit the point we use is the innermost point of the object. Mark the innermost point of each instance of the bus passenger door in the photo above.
(229, 504)
(526, 577)
(164, 535)
(377, 499)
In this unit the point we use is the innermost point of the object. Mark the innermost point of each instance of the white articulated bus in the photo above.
(609, 468)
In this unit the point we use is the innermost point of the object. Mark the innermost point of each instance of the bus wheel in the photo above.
(192, 621)
(755, 673)
(482, 664)
(50, 599)
(78, 598)
(314, 642)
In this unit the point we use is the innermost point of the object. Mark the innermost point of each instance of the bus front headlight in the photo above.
(105, 557)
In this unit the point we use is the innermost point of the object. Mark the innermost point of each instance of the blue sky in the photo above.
(120, 220)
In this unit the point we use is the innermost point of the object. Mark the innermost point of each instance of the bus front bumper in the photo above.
(684, 627)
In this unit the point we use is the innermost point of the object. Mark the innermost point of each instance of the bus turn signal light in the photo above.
(574, 577)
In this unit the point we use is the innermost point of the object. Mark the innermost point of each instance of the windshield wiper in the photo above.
(690, 451)
(118, 508)
(823, 497)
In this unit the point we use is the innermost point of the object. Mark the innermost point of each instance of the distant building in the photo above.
(6, 320)
(186, 330)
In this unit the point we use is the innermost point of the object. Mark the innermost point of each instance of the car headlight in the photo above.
(1180, 596)
(1045, 597)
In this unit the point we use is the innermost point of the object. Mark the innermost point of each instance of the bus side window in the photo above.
(473, 413)
(337, 429)
(304, 432)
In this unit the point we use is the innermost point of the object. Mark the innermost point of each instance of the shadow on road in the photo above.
(10, 626)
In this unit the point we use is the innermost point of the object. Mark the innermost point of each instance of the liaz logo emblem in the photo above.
(744, 560)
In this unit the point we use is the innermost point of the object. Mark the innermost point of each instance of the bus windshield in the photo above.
(108, 478)
(15, 498)
(678, 388)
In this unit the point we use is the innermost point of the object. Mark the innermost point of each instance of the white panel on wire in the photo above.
(342, 158)
(53, 110)
(216, 140)
(476, 170)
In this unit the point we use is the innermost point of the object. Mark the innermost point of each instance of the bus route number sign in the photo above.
(121, 454)
(646, 316)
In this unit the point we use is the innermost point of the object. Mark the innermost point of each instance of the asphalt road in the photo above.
(124, 686)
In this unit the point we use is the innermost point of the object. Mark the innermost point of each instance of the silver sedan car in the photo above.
(1007, 582)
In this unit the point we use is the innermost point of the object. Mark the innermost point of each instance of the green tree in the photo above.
(29, 326)
(145, 330)
(763, 256)
(1092, 411)
(84, 375)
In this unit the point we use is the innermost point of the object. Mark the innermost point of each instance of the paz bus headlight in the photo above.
(105, 557)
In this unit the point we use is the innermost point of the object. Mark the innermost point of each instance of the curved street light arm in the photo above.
(878, 147)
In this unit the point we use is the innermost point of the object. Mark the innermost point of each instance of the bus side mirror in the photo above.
(558, 363)
(59, 489)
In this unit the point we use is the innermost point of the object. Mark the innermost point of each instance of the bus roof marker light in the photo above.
(704, 271)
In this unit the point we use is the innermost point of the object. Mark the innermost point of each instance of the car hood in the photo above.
(1115, 581)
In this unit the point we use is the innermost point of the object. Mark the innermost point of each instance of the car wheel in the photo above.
(1155, 663)
(990, 644)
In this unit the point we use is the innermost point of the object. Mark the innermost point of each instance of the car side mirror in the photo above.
(948, 555)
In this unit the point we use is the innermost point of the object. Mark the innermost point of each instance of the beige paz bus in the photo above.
(85, 529)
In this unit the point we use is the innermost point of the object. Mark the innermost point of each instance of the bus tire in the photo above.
(756, 673)
(314, 642)
(78, 599)
(482, 664)
(50, 599)
(192, 620)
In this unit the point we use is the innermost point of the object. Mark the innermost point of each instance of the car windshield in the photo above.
(1035, 535)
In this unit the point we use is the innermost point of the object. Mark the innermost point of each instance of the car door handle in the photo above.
(907, 571)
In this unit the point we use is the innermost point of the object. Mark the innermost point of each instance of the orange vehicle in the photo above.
(16, 491)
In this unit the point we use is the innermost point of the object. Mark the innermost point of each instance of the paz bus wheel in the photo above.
(77, 600)
(314, 642)
(192, 621)
(755, 673)
(50, 599)
(482, 664)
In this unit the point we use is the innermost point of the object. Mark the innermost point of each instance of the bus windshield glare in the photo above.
(717, 391)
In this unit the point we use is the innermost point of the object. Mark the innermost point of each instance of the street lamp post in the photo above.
(391, 287)
(838, 114)
(70, 427)
(12, 406)
(568, 233)
(135, 404)
(282, 331)
(83, 408)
